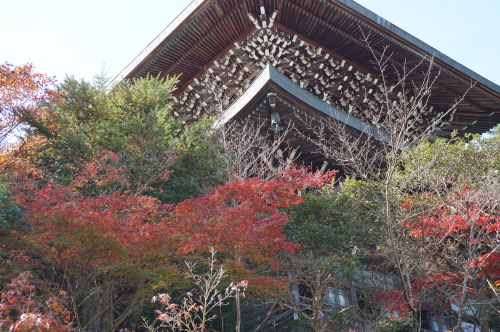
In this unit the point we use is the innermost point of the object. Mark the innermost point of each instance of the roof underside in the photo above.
(300, 112)
(206, 31)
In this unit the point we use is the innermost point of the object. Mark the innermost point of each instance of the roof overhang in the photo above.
(207, 30)
(412, 42)
(188, 15)
(181, 22)
(298, 100)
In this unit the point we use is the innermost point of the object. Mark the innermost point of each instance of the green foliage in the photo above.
(329, 223)
(197, 166)
(11, 220)
(134, 121)
(462, 159)
(364, 197)
(395, 325)
(494, 318)
(334, 237)
(10, 213)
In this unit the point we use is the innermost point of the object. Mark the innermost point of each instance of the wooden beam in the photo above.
(208, 65)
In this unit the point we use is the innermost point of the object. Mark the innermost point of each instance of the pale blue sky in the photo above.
(76, 37)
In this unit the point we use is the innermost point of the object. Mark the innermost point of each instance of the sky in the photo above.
(80, 38)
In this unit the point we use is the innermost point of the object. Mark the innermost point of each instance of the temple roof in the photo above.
(294, 99)
(212, 39)
(299, 110)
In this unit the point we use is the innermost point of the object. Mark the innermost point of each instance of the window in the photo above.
(337, 297)
(437, 324)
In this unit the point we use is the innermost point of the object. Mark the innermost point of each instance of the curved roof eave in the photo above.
(197, 6)
(418, 43)
(271, 78)
(173, 28)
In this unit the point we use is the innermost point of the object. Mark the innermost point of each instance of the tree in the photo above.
(454, 218)
(102, 247)
(249, 149)
(132, 120)
(24, 95)
(197, 167)
(112, 249)
(22, 310)
(327, 271)
(374, 157)
(244, 212)
(88, 173)
(26, 99)
(197, 310)
(449, 227)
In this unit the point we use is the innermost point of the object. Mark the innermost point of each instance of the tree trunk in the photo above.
(238, 311)
(483, 315)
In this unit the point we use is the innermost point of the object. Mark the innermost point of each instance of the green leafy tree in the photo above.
(133, 120)
(197, 167)
(334, 239)
(10, 213)
(328, 222)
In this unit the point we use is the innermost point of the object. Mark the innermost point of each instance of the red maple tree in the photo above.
(23, 93)
(114, 234)
(22, 310)
(240, 218)
(460, 232)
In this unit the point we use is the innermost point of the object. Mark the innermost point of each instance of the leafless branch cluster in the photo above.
(374, 154)
(402, 118)
(250, 149)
